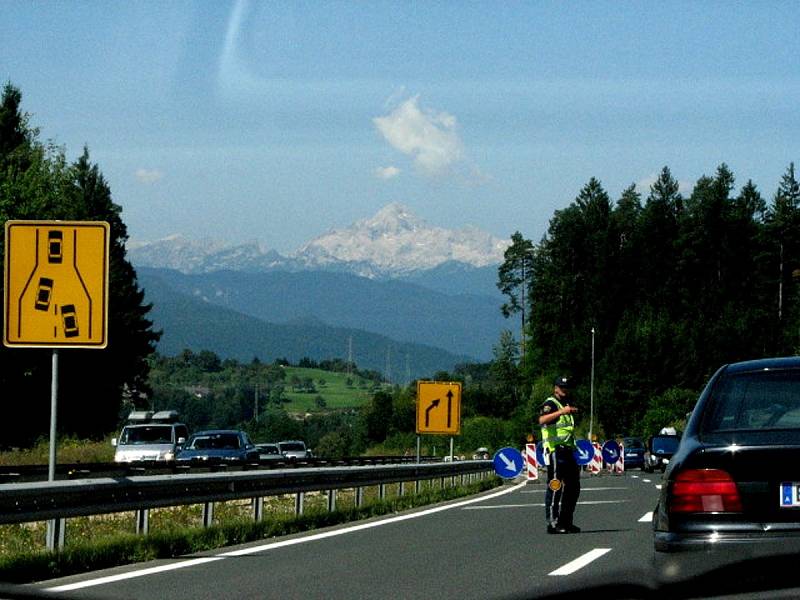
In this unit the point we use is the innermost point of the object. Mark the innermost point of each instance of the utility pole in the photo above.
(350, 355)
(591, 394)
(255, 409)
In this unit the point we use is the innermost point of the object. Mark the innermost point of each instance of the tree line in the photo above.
(673, 286)
(38, 182)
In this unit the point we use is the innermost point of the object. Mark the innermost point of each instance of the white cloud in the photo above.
(429, 137)
(387, 172)
(149, 176)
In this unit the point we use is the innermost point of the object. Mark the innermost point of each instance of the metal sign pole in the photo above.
(51, 467)
(451, 449)
(55, 527)
(418, 445)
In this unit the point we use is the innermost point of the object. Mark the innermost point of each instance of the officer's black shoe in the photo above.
(573, 529)
(556, 529)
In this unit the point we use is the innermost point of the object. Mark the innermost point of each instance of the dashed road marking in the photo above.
(581, 561)
(647, 518)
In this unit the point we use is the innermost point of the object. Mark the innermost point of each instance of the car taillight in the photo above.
(704, 491)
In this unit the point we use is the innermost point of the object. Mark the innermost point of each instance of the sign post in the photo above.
(55, 296)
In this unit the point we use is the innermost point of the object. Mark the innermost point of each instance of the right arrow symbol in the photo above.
(428, 410)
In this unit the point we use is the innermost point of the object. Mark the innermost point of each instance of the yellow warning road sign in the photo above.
(56, 284)
(439, 407)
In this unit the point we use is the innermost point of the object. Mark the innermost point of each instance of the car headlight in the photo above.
(168, 456)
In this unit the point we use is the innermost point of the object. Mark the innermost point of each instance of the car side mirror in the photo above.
(181, 441)
(114, 442)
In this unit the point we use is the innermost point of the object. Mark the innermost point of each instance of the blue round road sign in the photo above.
(508, 462)
(611, 451)
(584, 451)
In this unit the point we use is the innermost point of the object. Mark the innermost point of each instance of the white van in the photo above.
(150, 437)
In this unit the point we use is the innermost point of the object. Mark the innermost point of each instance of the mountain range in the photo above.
(394, 243)
(426, 289)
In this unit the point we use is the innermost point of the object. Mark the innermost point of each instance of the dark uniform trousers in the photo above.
(564, 474)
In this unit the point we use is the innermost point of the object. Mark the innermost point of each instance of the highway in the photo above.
(488, 546)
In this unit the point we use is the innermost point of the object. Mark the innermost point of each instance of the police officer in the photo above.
(563, 472)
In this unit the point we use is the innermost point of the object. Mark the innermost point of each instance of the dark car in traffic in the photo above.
(732, 491)
(269, 452)
(659, 451)
(219, 446)
(634, 453)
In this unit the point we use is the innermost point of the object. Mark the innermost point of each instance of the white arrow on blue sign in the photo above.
(584, 451)
(610, 451)
(508, 462)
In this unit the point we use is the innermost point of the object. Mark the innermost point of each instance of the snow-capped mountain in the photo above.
(394, 242)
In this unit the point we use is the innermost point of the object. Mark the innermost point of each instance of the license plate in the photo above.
(790, 494)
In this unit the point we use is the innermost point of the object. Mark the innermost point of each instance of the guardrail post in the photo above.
(382, 491)
(402, 490)
(416, 486)
(359, 497)
(299, 501)
(143, 521)
(55, 534)
(208, 514)
(331, 500)
(258, 509)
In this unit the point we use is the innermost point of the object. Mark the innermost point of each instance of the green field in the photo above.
(332, 387)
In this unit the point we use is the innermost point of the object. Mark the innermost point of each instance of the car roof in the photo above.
(217, 432)
(762, 364)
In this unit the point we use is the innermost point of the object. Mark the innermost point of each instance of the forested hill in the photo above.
(189, 322)
(673, 286)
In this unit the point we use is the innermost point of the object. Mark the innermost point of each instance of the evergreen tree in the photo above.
(36, 182)
(514, 279)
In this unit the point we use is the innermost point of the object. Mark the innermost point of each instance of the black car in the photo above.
(732, 491)
(634, 453)
(219, 446)
(660, 450)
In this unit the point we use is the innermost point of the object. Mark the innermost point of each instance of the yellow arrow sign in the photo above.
(439, 407)
(56, 284)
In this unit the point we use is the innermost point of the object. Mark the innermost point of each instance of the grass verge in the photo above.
(126, 548)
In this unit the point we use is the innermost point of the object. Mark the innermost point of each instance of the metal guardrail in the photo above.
(58, 500)
(23, 473)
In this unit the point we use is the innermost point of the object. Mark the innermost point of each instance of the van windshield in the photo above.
(146, 434)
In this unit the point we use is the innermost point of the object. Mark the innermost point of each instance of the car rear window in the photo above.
(755, 401)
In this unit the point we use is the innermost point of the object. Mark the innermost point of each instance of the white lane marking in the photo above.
(274, 545)
(646, 480)
(580, 562)
(658, 486)
(588, 502)
(647, 518)
(634, 476)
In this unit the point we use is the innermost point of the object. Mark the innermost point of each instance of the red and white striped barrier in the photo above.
(596, 464)
(619, 466)
(531, 462)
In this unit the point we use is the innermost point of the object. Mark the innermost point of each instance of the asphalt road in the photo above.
(491, 546)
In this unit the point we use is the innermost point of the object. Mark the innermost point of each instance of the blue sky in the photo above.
(276, 121)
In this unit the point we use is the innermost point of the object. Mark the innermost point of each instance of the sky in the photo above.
(278, 121)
